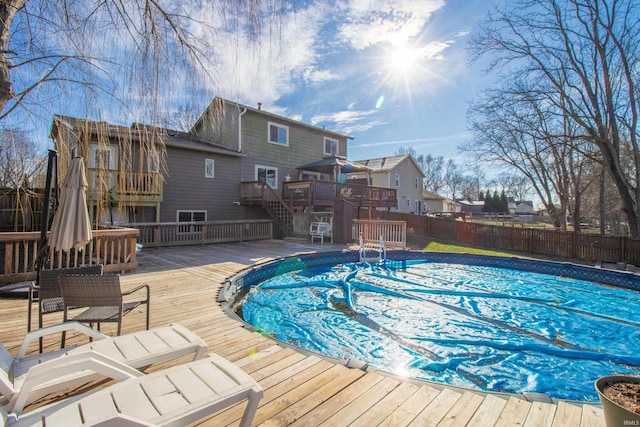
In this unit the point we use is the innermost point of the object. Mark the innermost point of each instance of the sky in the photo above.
(390, 74)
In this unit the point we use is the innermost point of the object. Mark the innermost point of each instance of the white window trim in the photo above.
(286, 144)
(113, 161)
(397, 180)
(153, 162)
(189, 226)
(192, 211)
(324, 148)
(257, 167)
(417, 183)
(408, 203)
(208, 168)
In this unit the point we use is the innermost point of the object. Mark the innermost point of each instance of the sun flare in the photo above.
(403, 59)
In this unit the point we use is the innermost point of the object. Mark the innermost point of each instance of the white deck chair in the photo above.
(22, 381)
(176, 396)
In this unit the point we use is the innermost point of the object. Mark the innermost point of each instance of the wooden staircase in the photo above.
(278, 209)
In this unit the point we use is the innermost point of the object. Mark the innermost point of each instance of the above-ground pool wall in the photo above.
(623, 279)
(239, 285)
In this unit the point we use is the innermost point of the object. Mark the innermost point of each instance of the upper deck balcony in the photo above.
(125, 186)
(325, 193)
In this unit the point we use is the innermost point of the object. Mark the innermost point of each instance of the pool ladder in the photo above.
(382, 251)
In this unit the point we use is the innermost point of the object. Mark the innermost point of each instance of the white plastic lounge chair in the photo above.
(176, 396)
(26, 379)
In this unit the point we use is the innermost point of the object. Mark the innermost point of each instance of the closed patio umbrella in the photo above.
(71, 227)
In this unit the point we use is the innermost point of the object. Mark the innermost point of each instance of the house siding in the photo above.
(306, 144)
(407, 190)
(187, 188)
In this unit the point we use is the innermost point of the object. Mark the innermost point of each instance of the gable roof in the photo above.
(137, 131)
(218, 102)
(386, 164)
(428, 195)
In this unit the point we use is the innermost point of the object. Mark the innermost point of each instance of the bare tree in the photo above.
(116, 53)
(62, 42)
(514, 127)
(435, 169)
(514, 185)
(182, 119)
(587, 52)
(21, 169)
(21, 165)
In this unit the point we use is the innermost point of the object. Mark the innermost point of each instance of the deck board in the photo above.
(300, 389)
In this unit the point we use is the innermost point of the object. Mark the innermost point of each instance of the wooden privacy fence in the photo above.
(155, 234)
(114, 248)
(580, 246)
(394, 233)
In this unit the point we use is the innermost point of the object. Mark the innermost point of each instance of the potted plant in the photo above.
(620, 398)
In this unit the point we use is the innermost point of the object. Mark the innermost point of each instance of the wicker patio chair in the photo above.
(47, 289)
(103, 297)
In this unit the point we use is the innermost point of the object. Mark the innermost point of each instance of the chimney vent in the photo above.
(259, 105)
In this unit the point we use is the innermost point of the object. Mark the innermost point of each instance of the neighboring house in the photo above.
(434, 203)
(401, 173)
(471, 206)
(205, 169)
(522, 207)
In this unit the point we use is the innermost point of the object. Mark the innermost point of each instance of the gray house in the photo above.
(198, 181)
(272, 147)
(236, 162)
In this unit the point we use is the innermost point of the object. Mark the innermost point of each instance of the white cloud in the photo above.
(395, 22)
(312, 74)
(264, 70)
(349, 121)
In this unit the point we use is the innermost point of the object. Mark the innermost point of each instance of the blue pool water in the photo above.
(486, 328)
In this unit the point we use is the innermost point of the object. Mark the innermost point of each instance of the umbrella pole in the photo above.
(44, 219)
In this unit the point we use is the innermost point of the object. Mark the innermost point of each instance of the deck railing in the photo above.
(324, 192)
(114, 248)
(155, 234)
(394, 233)
(125, 183)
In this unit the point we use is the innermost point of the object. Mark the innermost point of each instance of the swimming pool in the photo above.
(466, 321)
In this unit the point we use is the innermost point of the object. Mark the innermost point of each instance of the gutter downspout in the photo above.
(244, 110)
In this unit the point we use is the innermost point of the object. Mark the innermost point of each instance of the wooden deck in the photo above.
(300, 389)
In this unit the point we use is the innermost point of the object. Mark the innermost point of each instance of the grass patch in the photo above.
(423, 243)
(448, 247)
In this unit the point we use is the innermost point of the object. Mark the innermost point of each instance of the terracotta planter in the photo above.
(614, 414)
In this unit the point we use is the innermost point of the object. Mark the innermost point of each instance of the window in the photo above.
(408, 202)
(267, 174)
(330, 146)
(191, 217)
(418, 207)
(417, 183)
(153, 161)
(278, 134)
(209, 169)
(398, 180)
(102, 165)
